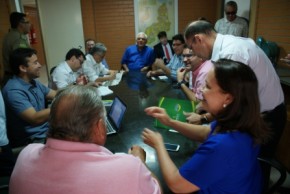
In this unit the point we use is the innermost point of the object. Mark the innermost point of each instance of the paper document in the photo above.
(116, 81)
(104, 90)
(163, 77)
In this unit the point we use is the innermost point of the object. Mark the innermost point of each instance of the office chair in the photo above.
(4, 187)
(280, 168)
(271, 49)
(4, 184)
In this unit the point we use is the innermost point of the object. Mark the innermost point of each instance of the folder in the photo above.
(175, 108)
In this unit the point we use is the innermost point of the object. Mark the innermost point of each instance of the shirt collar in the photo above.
(217, 46)
(68, 68)
(89, 57)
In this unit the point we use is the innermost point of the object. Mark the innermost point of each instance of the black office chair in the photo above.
(270, 48)
(4, 184)
(280, 168)
(4, 187)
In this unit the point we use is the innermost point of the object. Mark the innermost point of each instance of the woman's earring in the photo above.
(224, 105)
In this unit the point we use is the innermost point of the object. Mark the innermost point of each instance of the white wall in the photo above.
(62, 28)
(243, 8)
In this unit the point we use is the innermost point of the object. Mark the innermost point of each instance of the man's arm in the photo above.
(35, 118)
(189, 93)
(51, 94)
(125, 67)
(110, 76)
(160, 69)
(139, 152)
(181, 76)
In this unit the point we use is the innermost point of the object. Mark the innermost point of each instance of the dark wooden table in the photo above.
(138, 92)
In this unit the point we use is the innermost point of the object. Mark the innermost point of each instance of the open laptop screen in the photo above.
(117, 112)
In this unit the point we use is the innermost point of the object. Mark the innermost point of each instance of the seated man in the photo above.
(163, 50)
(93, 67)
(69, 72)
(90, 43)
(74, 159)
(138, 57)
(194, 76)
(175, 63)
(25, 98)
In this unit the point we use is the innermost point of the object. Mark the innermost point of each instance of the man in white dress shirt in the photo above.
(94, 69)
(69, 71)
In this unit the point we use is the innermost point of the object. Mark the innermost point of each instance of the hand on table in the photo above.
(138, 152)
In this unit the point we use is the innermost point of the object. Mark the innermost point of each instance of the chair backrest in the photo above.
(271, 162)
(270, 48)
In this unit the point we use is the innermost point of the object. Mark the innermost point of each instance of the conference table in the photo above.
(139, 92)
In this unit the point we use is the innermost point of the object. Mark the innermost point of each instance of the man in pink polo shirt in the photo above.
(74, 159)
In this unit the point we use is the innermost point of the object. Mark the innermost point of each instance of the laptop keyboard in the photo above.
(110, 128)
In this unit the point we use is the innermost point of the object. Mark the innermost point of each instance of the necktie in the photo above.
(167, 53)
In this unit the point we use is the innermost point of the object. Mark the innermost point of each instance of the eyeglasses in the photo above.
(177, 44)
(187, 55)
(231, 13)
(141, 38)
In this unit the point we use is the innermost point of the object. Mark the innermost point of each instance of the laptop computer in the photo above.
(115, 116)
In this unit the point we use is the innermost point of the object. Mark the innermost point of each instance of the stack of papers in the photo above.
(104, 90)
(115, 81)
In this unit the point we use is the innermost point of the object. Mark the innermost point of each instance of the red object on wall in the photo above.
(32, 35)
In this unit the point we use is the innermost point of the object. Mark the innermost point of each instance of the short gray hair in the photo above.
(142, 33)
(74, 111)
(99, 48)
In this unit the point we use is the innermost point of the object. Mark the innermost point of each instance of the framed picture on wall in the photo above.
(153, 16)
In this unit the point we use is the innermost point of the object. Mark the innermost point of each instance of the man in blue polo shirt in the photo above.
(25, 98)
(138, 57)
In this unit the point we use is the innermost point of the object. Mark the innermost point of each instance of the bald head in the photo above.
(199, 27)
(74, 111)
(200, 37)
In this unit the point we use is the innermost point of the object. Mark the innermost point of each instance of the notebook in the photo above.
(115, 116)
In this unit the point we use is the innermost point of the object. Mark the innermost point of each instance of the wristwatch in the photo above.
(179, 83)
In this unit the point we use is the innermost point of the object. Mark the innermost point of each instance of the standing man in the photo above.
(74, 159)
(25, 99)
(232, 24)
(163, 50)
(175, 63)
(138, 57)
(15, 38)
(69, 71)
(207, 44)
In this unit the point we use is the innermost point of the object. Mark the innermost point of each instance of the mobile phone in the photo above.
(172, 147)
